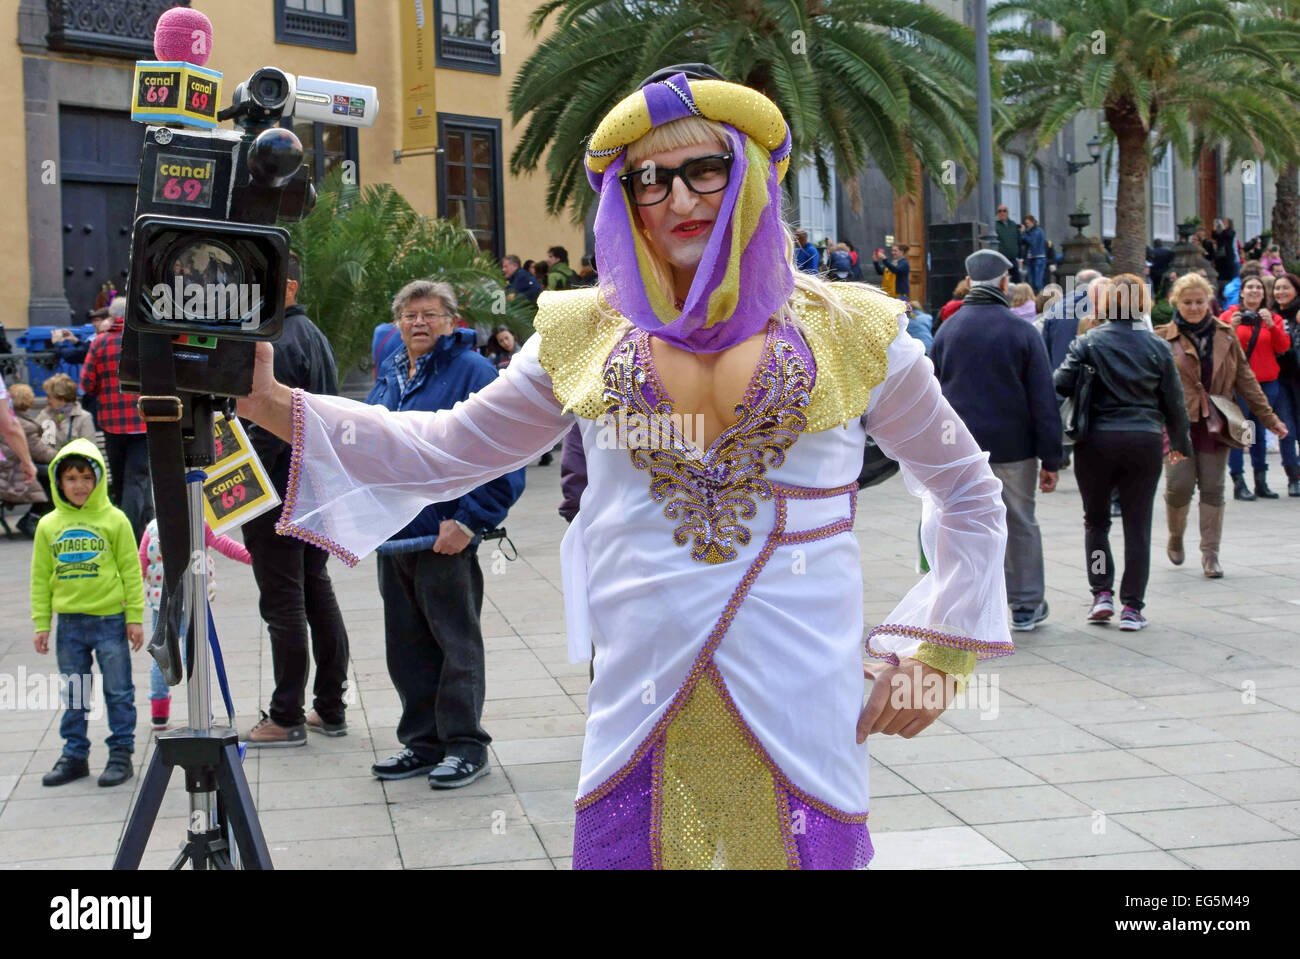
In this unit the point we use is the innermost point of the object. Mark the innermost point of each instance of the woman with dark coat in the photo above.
(1286, 304)
(1136, 397)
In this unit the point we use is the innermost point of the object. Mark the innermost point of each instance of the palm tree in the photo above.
(858, 80)
(1185, 74)
(359, 247)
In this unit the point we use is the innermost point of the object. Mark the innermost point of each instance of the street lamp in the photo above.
(1094, 151)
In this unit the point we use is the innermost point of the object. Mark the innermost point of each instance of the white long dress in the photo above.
(722, 593)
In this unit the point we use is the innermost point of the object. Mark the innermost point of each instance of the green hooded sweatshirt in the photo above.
(84, 559)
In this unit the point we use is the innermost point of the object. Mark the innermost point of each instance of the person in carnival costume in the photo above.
(720, 396)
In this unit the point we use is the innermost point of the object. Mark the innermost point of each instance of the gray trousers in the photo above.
(1023, 564)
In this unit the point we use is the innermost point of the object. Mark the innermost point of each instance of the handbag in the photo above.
(1226, 423)
(1075, 407)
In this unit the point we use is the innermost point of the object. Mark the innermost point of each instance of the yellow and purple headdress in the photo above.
(744, 276)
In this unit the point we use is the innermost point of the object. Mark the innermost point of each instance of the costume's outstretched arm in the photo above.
(957, 612)
(360, 473)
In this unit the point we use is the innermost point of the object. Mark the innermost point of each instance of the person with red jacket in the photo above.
(1262, 335)
(127, 447)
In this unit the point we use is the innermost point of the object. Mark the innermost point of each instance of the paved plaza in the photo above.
(1177, 747)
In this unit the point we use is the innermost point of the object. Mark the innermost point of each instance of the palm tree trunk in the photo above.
(1128, 250)
(1286, 214)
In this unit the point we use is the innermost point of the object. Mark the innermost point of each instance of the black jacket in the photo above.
(992, 366)
(303, 360)
(1136, 386)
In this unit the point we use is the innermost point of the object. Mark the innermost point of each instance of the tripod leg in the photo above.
(238, 800)
(152, 788)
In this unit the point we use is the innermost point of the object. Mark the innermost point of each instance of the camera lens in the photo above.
(269, 88)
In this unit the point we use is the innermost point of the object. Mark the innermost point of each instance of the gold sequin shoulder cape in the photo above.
(577, 340)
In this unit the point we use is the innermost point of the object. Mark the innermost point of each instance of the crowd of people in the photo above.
(98, 573)
(1188, 391)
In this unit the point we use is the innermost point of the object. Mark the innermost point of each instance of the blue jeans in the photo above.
(1036, 268)
(1237, 460)
(1288, 412)
(79, 638)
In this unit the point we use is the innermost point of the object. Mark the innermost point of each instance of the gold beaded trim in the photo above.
(704, 665)
(850, 358)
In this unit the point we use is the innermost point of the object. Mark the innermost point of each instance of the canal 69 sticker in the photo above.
(237, 487)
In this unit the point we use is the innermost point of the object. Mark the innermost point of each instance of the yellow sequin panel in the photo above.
(850, 362)
(850, 357)
(576, 342)
(719, 808)
(955, 662)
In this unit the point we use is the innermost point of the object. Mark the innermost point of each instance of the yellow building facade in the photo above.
(67, 221)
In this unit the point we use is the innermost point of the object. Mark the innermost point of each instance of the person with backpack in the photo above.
(840, 265)
(1262, 337)
(560, 275)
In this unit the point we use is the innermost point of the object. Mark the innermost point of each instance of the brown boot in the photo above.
(1177, 519)
(1211, 531)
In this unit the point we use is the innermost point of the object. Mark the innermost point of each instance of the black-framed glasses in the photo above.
(703, 175)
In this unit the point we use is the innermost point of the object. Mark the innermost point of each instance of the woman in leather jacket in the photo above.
(1136, 396)
(1210, 363)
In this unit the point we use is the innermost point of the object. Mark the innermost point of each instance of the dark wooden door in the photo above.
(470, 178)
(100, 163)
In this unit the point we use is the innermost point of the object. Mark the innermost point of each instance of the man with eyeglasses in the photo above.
(1008, 240)
(429, 575)
(296, 597)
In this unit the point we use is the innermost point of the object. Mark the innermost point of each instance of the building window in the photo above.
(1252, 200)
(470, 178)
(816, 209)
(468, 35)
(1109, 192)
(1009, 188)
(1034, 193)
(326, 146)
(327, 24)
(1162, 197)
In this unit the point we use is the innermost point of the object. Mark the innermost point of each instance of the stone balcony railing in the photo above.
(122, 28)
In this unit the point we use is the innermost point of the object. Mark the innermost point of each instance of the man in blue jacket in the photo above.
(993, 370)
(1033, 244)
(1061, 321)
(429, 576)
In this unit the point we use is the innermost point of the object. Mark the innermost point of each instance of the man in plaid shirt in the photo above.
(130, 487)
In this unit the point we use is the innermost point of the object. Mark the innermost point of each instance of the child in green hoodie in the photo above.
(85, 569)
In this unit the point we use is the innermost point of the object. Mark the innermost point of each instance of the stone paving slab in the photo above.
(1172, 748)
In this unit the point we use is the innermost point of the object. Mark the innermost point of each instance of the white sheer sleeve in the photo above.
(961, 603)
(360, 473)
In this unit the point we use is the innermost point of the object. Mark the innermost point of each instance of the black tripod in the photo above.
(221, 804)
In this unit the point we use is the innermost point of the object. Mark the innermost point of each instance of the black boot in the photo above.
(1261, 486)
(118, 770)
(65, 770)
(1240, 490)
(1292, 480)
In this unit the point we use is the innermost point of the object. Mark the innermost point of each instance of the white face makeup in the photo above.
(679, 227)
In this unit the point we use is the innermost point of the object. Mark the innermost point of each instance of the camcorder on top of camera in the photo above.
(208, 262)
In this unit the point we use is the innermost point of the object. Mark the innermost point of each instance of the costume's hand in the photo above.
(1047, 481)
(451, 538)
(904, 699)
(42, 642)
(135, 636)
(263, 381)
